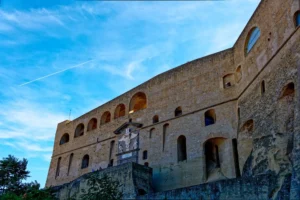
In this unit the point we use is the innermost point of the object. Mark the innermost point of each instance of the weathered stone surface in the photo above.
(132, 176)
(240, 117)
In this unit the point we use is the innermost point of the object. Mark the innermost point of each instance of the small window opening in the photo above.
(236, 157)
(58, 167)
(145, 155)
(111, 163)
(181, 148)
(262, 87)
(155, 119)
(178, 111)
(111, 151)
(228, 80)
(165, 130)
(70, 163)
(210, 117)
(297, 18)
(239, 112)
(146, 164)
(85, 161)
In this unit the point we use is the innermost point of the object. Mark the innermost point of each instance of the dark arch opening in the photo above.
(262, 87)
(105, 117)
(58, 167)
(181, 148)
(178, 111)
(79, 131)
(297, 18)
(120, 111)
(92, 125)
(165, 130)
(64, 139)
(145, 155)
(212, 154)
(70, 163)
(155, 119)
(85, 161)
(288, 90)
(138, 102)
(210, 117)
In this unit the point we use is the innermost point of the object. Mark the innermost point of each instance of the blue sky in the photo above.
(126, 43)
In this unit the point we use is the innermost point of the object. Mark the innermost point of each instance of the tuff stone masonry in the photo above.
(222, 121)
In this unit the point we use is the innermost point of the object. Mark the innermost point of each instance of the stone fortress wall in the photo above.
(249, 100)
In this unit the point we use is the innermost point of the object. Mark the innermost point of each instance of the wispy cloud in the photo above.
(58, 72)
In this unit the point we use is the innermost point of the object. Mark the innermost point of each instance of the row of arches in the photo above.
(209, 116)
(84, 163)
(137, 102)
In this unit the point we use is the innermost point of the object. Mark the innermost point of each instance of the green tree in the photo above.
(101, 188)
(12, 173)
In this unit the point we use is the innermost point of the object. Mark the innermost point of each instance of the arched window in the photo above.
(181, 148)
(105, 118)
(120, 111)
(145, 155)
(151, 132)
(178, 111)
(228, 80)
(238, 74)
(92, 124)
(297, 18)
(138, 102)
(64, 139)
(210, 117)
(85, 161)
(252, 39)
(70, 163)
(288, 91)
(262, 87)
(79, 131)
(165, 131)
(212, 148)
(155, 119)
(58, 167)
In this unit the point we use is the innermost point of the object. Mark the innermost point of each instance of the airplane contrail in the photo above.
(56, 73)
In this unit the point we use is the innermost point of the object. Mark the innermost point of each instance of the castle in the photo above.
(229, 115)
